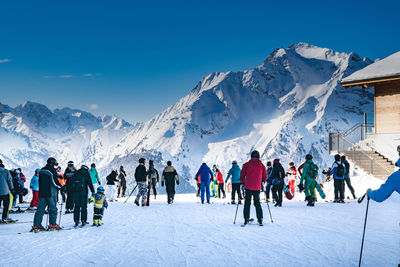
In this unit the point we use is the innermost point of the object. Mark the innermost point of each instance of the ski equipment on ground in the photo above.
(130, 194)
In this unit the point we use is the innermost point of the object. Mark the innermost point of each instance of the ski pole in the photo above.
(365, 225)
(130, 194)
(59, 220)
(361, 198)
(270, 213)
(237, 207)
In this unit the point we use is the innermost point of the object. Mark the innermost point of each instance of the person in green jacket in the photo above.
(94, 176)
(309, 175)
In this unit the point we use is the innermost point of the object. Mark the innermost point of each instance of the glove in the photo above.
(99, 183)
(162, 183)
(301, 187)
(177, 182)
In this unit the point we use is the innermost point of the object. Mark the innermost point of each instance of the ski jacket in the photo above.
(334, 170)
(94, 176)
(292, 173)
(81, 181)
(122, 177)
(112, 178)
(170, 175)
(347, 170)
(152, 173)
(398, 163)
(205, 174)
(385, 191)
(220, 178)
(100, 201)
(278, 172)
(305, 174)
(234, 174)
(141, 173)
(253, 174)
(269, 175)
(22, 178)
(300, 168)
(69, 172)
(48, 182)
(34, 183)
(6, 184)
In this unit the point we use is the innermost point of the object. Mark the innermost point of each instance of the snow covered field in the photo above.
(190, 234)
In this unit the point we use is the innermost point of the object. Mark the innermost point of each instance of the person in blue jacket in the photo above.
(205, 176)
(234, 175)
(392, 184)
(338, 171)
(35, 190)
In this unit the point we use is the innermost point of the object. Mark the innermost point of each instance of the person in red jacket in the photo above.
(220, 180)
(198, 181)
(252, 175)
(291, 174)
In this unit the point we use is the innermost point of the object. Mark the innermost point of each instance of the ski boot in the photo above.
(341, 200)
(76, 224)
(246, 222)
(336, 201)
(208, 201)
(233, 202)
(240, 202)
(83, 223)
(53, 227)
(95, 222)
(100, 222)
(137, 203)
(202, 202)
(309, 200)
(260, 222)
(267, 200)
(37, 229)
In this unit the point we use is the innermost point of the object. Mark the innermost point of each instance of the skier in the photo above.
(309, 175)
(48, 189)
(206, 177)
(141, 179)
(198, 182)
(35, 190)
(169, 177)
(122, 182)
(69, 172)
(338, 171)
(252, 175)
(269, 181)
(79, 185)
(153, 177)
(292, 175)
(277, 176)
(94, 177)
(100, 202)
(111, 179)
(6, 186)
(234, 175)
(220, 180)
(347, 175)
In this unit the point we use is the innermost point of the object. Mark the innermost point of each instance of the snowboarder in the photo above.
(309, 175)
(206, 177)
(338, 171)
(269, 181)
(69, 172)
(291, 174)
(252, 175)
(35, 190)
(220, 180)
(111, 179)
(94, 177)
(153, 177)
(122, 182)
(100, 202)
(79, 184)
(141, 179)
(48, 189)
(6, 186)
(169, 177)
(277, 176)
(347, 175)
(234, 175)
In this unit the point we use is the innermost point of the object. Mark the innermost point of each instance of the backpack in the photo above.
(78, 183)
(313, 170)
(340, 170)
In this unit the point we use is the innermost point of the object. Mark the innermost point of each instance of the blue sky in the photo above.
(135, 58)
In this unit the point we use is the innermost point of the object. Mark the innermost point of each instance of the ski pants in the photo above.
(170, 186)
(221, 189)
(153, 185)
(348, 182)
(205, 189)
(291, 184)
(70, 201)
(5, 199)
(277, 192)
(121, 189)
(339, 188)
(80, 211)
(111, 191)
(236, 190)
(247, 202)
(35, 199)
(142, 191)
(51, 202)
(309, 187)
(98, 213)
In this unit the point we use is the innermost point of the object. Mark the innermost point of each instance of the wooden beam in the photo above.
(369, 82)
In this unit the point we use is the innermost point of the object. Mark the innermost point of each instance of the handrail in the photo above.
(355, 127)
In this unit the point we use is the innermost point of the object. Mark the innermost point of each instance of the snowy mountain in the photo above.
(284, 108)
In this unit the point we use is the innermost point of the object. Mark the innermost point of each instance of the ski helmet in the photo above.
(337, 157)
(255, 154)
(234, 162)
(142, 160)
(37, 171)
(93, 165)
(100, 189)
(309, 157)
(70, 163)
(52, 162)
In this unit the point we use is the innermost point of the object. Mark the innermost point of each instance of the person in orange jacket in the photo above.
(62, 182)
(220, 180)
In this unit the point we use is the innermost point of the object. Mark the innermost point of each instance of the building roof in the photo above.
(381, 70)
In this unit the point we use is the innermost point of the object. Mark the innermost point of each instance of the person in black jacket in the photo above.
(48, 190)
(79, 185)
(141, 179)
(111, 180)
(153, 177)
(122, 182)
(169, 177)
(277, 176)
(69, 172)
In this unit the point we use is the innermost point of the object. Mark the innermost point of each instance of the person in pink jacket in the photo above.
(252, 175)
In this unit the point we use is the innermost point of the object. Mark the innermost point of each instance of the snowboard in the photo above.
(287, 192)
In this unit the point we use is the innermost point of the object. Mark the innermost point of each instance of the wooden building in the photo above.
(384, 76)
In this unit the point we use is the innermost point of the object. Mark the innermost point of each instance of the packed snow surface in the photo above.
(187, 233)
(389, 66)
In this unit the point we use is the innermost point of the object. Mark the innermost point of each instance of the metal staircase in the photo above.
(365, 157)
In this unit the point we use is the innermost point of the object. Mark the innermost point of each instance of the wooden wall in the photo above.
(387, 107)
